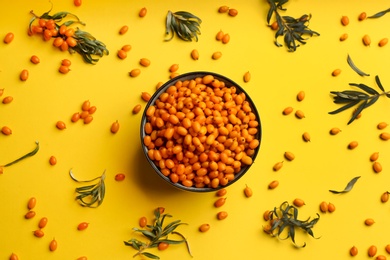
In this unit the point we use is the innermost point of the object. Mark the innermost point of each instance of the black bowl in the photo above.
(189, 76)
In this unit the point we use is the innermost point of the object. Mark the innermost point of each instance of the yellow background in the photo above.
(277, 76)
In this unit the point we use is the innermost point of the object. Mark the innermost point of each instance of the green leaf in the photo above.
(348, 187)
(149, 255)
(379, 14)
(345, 107)
(32, 153)
(365, 88)
(378, 82)
(356, 69)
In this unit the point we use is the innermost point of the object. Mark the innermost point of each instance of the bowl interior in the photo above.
(189, 76)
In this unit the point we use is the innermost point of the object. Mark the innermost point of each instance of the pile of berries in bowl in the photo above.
(200, 131)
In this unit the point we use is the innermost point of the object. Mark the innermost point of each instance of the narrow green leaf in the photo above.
(348, 187)
(378, 82)
(358, 111)
(379, 14)
(345, 107)
(356, 69)
(32, 153)
(149, 255)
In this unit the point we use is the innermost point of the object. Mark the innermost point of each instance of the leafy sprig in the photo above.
(90, 195)
(29, 154)
(361, 99)
(156, 234)
(86, 45)
(379, 14)
(184, 24)
(293, 29)
(285, 217)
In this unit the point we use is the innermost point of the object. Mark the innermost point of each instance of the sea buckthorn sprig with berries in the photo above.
(65, 37)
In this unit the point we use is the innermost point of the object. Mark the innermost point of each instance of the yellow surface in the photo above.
(277, 76)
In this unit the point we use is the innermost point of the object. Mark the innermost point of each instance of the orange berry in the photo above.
(115, 127)
(61, 125)
(8, 38)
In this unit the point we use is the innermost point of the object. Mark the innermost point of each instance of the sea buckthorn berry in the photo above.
(143, 222)
(13, 256)
(331, 207)
(353, 251)
(42, 222)
(145, 96)
(372, 250)
(343, 37)
(387, 248)
(53, 245)
(61, 125)
(63, 69)
(5, 130)
(377, 167)
(173, 67)
(274, 26)
(134, 73)
(38, 233)
(120, 177)
(9, 37)
(219, 202)
(374, 157)
(352, 145)
(226, 38)
(122, 54)
(216, 55)
(142, 12)
(137, 109)
(162, 246)
(92, 110)
(287, 111)
(380, 257)
(266, 215)
(306, 137)
(24, 75)
(362, 16)
(298, 202)
(299, 114)
(219, 35)
(30, 214)
(334, 131)
(31, 203)
(369, 222)
(204, 228)
(289, 156)
(277, 166)
(344, 20)
(77, 2)
(385, 198)
(195, 54)
(233, 12)
(223, 9)
(82, 226)
(123, 29)
(323, 207)
(222, 215)
(247, 76)
(34, 59)
(382, 125)
(336, 72)
(301, 95)
(385, 136)
(75, 117)
(66, 62)
(88, 119)
(248, 191)
(52, 160)
(221, 192)
(126, 48)
(366, 40)
(273, 185)
(115, 127)
(144, 62)
(383, 42)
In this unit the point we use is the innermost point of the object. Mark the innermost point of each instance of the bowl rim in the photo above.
(189, 76)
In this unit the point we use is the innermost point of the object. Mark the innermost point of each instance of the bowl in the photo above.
(189, 157)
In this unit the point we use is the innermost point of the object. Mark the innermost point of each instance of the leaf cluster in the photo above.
(29, 154)
(293, 29)
(90, 195)
(184, 24)
(285, 217)
(362, 99)
(156, 234)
